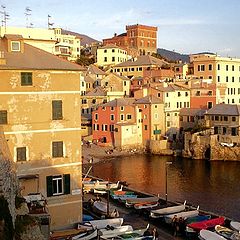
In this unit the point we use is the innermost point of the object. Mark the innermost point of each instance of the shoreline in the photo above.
(92, 153)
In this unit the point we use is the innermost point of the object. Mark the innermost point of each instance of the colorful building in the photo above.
(40, 116)
(111, 55)
(225, 73)
(138, 39)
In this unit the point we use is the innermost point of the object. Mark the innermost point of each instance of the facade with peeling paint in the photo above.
(41, 118)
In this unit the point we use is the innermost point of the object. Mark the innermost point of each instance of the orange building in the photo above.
(138, 40)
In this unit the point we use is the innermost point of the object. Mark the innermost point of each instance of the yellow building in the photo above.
(224, 71)
(54, 40)
(111, 55)
(40, 116)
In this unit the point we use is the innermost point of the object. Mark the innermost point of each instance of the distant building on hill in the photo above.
(139, 40)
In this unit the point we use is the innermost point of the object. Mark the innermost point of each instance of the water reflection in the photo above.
(214, 186)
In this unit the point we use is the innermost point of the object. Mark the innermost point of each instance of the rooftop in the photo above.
(33, 58)
(92, 69)
(144, 60)
(120, 102)
(149, 100)
(225, 109)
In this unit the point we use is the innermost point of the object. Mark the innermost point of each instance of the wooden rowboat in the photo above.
(168, 218)
(131, 202)
(113, 232)
(208, 235)
(227, 233)
(168, 210)
(207, 224)
(235, 226)
(149, 205)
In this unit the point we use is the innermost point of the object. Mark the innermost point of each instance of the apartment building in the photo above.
(54, 40)
(109, 114)
(40, 116)
(138, 40)
(225, 73)
(111, 55)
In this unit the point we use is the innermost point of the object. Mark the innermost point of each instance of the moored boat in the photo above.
(86, 236)
(168, 218)
(102, 208)
(198, 218)
(145, 205)
(227, 233)
(207, 224)
(208, 235)
(168, 210)
(235, 226)
(114, 231)
(131, 202)
(99, 224)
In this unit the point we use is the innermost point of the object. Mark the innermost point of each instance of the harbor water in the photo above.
(214, 186)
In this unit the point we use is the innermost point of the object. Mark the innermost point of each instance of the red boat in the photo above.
(197, 226)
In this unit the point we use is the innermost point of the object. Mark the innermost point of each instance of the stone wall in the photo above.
(160, 147)
(8, 179)
(204, 145)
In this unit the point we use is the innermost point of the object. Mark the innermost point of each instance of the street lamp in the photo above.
(166, 179)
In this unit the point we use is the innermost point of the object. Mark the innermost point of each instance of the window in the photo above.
(57, 110)
(198, 93)
(112, 108)
(129, 116)
(232, 79)
(94, 101)
(122, 117)
(226, 78)
(124, 83)
(112, 117)
(15, 46)
(96, 116)
(210, 67)
(210, 105)
(210, 93)
(113, 50)
(111, 128)
(155, 116)
(57, 149)
(105, 59)
(186, 94)
(145, 127)
(113, 59)
(159, 94)
(232, 67)
(105, 50)
(122, 108)
(179, 94)
(201, 68)
(218, 78)
(233, 119)
(225, 118)
(218, 67)
(104, 127)
(3, 117)
(58, 185)
(21, 154)
(226, 67)
(26, 79)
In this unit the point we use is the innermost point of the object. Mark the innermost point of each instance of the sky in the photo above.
(185, 26)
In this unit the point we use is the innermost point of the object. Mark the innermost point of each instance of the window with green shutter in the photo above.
(57, 149)
(26, 79)
(58, 185)
(21, 154)
(57, 110)
(3, 117)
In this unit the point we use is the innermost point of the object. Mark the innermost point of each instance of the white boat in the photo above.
(99, 191)
(114, 231)
(168, 210)
(235, 226)
(86, 236)
(168, 218)
(130, 235)
(105, 185)
(208, 235)
(99, 224)
(130, 202)
(139, 206)
(101, 208)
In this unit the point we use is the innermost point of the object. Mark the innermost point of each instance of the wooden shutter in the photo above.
(49, 186)
(57, 110)
(66, 182)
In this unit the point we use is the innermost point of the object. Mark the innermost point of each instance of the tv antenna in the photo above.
(5, 17)
(50, 24)
(28, 14)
